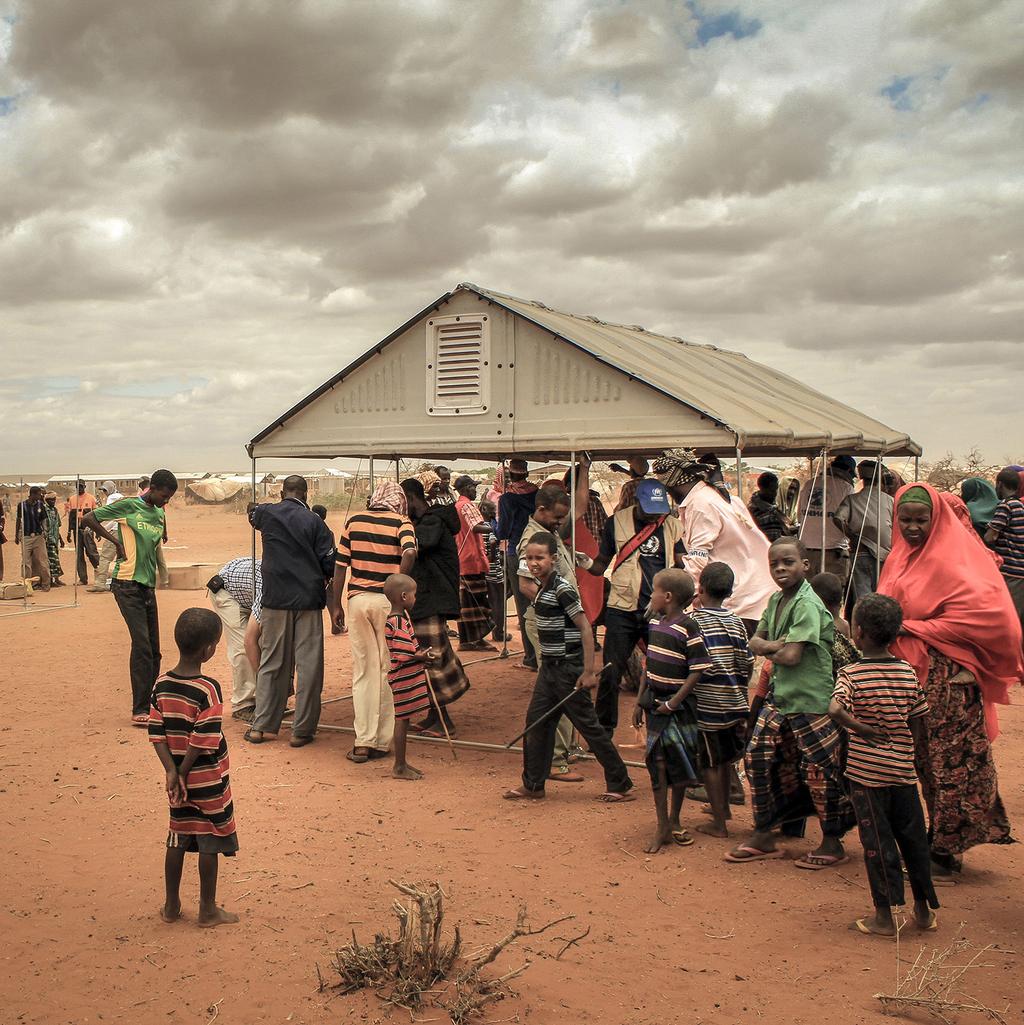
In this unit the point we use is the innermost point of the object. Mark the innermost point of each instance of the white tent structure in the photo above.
(481, 374)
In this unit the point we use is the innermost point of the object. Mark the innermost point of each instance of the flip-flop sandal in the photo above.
(566, 777)
(747, 853)
(248, 736)
(522, 795)
(376, 752)
(817, 862)
(358, 759)
(861, 926)
(682, 838)
(932, 926)
(525, 669)
(611, 798)
(140, 720)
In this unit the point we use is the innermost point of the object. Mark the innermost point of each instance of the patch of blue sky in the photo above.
(158, 388)
(898, 92)
(49, 385)
(725, 23)
(905, 92)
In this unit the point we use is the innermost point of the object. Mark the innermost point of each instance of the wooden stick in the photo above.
(440, 715)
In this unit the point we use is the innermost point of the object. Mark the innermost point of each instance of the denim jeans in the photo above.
(138, 609)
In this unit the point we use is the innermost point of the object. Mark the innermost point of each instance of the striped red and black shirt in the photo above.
(371, 546)
(883, 693)
(186, 713)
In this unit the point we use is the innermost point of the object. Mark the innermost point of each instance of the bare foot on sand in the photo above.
(216, 917)
(710, 829)
(406, 772)
(170, 914)
(661, 838)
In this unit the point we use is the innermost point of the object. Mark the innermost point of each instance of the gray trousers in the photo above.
(290, 640)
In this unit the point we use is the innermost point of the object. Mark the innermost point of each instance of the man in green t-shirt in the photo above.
(793, 759)
(137, 528)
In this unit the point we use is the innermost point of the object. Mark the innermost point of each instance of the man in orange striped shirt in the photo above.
(372, 546)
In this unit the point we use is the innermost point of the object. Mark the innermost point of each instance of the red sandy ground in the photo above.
(681, 936)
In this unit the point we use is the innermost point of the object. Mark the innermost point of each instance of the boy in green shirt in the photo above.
(793, 757)
(139, 528)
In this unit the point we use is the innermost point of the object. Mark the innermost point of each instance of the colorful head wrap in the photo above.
(917, 495)
(674, 469)
(388, 495)
(981, 499)
(429, 480)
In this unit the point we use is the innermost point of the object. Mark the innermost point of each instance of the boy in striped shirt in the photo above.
(878, 701)
(566, 679)
(1005, 535)
(722, 706)
(407, 675)
(185, 729)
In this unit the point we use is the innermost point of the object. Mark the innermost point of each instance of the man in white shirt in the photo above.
(108, 553)
(715, 530)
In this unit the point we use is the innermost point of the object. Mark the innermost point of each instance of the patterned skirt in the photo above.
(959, 779)
(673, 739)
(53, 553)
(447, 677)
(475, 621)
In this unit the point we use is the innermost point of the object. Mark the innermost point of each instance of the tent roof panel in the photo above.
(767, 412)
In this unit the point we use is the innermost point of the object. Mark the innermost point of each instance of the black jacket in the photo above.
(436, 570)
(298, 555)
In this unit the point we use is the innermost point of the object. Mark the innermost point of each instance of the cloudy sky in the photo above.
(207, 207)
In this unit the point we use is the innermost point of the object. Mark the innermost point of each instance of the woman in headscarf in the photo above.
(963, 638)
(981, 500)
(436, 573)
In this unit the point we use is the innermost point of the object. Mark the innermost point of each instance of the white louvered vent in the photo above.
(458, 364)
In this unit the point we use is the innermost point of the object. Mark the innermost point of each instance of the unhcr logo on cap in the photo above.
(652, 497)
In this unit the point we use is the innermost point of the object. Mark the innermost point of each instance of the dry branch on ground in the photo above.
(935, 984)
(418, 969)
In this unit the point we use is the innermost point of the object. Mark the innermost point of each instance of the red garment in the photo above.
(473, 559)
(591, 588)
(955, 601)
(963, 514)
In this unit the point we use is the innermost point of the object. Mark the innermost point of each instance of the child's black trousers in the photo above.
(556, 679)
(891, 825)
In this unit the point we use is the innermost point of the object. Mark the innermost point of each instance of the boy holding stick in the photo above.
(566, 678)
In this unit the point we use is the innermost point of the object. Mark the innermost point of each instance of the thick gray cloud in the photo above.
(207, 210)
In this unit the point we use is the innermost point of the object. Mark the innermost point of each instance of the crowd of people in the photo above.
(739, 615)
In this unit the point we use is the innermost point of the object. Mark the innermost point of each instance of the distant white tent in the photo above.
(479, 374)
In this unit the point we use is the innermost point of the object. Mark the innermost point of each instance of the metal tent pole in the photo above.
(473, 745)
(739, 473)
(917, 468)
(253, 530)
(824, 502)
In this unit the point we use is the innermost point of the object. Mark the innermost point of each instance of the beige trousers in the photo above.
(372, 701)
(108, 556)
(235, 620)
(34, 560)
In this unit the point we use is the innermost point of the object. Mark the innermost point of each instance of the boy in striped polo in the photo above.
(878, 701)
(185, 728)
(722, 706)
(1005, 535)
(566, 674)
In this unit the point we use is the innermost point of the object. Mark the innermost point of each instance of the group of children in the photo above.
(820, 738)
(832, 731)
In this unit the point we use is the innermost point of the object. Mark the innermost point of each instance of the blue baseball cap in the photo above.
(653, 498)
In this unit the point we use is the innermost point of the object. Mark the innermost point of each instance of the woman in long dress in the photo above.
(962, 636)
